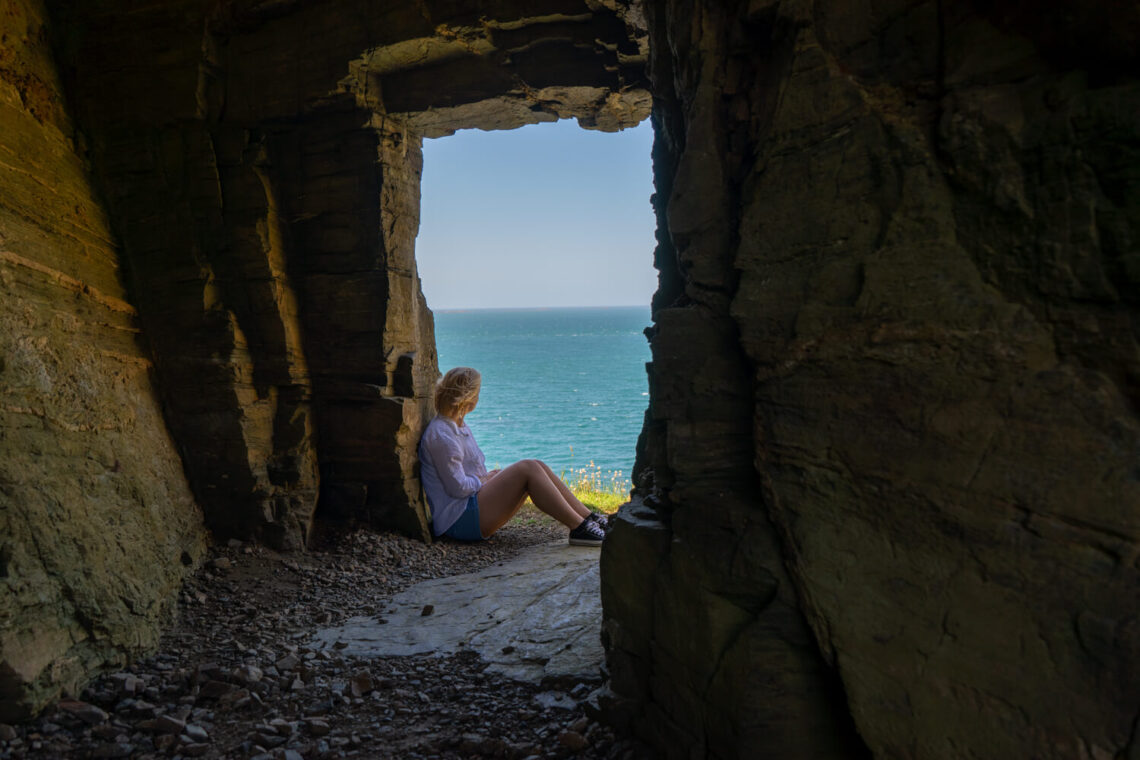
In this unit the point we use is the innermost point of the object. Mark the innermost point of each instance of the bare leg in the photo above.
(567, 494)
(502, 496)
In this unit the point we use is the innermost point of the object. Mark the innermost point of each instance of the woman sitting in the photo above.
(467, 502)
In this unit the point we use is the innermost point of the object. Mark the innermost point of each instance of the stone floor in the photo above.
(243, 674)
(533, 618)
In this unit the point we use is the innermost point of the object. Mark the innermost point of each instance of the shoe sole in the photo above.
(584, 542)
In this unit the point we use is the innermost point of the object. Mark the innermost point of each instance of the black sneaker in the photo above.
(601, 520)
(589, 533)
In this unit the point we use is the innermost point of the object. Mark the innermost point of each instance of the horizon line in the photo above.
(536, 308)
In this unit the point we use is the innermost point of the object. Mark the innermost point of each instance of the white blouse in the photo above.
(451, 465)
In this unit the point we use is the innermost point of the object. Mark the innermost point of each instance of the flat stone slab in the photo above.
(537, 616)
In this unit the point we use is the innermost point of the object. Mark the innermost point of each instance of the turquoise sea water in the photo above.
(567, 386)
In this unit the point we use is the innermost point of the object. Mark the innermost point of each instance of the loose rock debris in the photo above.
(236, 678)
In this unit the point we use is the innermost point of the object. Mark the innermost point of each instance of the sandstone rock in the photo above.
(97, 521)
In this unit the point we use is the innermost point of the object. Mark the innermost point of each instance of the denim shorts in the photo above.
(466, 528)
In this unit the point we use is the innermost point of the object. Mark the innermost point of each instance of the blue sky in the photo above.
(544, 215)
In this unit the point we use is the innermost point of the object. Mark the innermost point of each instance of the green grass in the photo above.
(595, 490)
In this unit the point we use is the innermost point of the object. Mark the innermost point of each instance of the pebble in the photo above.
(215, 689)
(166, 724)
(238, 676)
(281, 726)
(114, 749)
(361, 684)
(573, 740)
(248, 674)
(166, 742)
(317, 727)
(83, 711)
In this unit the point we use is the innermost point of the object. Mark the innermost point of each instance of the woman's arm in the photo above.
(480, 460)
(447, 456)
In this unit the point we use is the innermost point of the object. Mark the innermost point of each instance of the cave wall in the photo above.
(244, 207)
(97, 523)
(890, 464)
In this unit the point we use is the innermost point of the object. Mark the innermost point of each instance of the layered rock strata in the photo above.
(889, 467)
(97, 524)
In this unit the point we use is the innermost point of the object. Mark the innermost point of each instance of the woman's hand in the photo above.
(486, 478)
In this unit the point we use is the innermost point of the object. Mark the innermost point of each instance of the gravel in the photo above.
(234, 678)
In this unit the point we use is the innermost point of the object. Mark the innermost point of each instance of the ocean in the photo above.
(564, 385)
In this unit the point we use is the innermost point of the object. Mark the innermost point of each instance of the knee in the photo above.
(531, 467)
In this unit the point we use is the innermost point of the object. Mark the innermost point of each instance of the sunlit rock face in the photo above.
(97, 524)
(890, 463)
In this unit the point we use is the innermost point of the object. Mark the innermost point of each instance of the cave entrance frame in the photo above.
(472, 73)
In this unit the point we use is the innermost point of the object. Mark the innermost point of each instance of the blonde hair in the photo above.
(456, 391)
